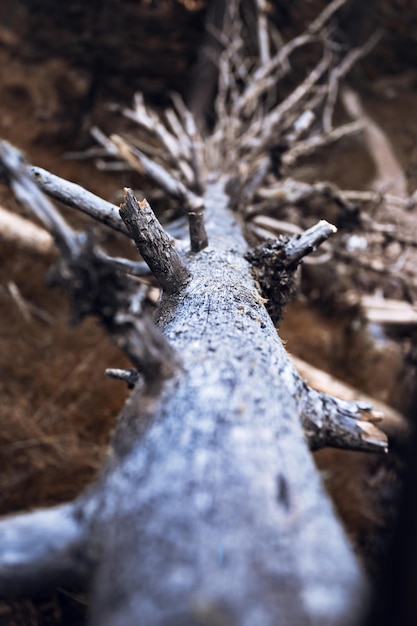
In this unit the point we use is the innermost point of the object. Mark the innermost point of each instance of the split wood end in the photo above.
(153, 243)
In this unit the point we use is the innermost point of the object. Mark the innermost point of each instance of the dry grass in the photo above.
(57, 407)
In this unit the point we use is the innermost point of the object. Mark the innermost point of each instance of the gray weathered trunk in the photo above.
(210, 510)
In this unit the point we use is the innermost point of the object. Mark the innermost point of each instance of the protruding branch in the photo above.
(385, 417)
(175, 188)
(41, 548)
(306, 243)
(339, 72)
(198, 235)
(263, 35)
(134, 268)
(153, 243)
(329, 421)
(273, 264)
(265, 227)
(86, 271)
(147, 348)
(182, 146)
(79, 198)
(130, 377)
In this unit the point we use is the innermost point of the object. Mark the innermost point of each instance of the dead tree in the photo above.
(209, 509)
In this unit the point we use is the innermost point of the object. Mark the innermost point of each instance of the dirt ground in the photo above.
(57, 408)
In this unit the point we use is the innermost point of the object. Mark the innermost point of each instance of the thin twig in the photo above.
(263, 34)
(19, 300)
(130, 377)
(340, 72)
(79, 198)
(195, 142)
(263, 132)
(160, 175)
(260, 80)
(310, 145)
(267, 75)
(150, 121)
(325, 15)
(134, 268)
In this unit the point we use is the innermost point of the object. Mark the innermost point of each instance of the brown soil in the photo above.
(57, 72)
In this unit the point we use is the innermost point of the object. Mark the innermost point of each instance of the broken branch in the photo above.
(329, 421)
(153, 243)
(300, 245)
(198, 235)
(388, 419)
(130, 377)
(79, 198)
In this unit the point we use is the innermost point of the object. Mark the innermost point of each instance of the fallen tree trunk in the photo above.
(209, 510)
(229, 520)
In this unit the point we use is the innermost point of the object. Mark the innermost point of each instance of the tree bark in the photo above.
(229, 523)
(209, 510)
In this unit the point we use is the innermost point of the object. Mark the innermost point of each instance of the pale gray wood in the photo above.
(210, 510)
(42, 549)
(75, 196)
